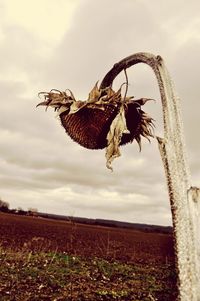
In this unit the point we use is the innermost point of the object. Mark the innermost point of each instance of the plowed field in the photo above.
(102, 251)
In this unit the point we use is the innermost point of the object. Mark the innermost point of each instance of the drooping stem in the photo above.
(181, 194)
(124, 64)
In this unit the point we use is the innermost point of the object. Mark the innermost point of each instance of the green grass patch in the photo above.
(25, 275)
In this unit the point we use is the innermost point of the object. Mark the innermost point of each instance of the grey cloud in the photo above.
(20, 48)
(98, 38)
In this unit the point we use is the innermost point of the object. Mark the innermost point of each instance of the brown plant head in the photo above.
(105, 119)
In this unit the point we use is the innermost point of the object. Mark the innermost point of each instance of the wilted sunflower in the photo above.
(105, 119)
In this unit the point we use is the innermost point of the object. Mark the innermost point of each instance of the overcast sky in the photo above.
(62, 44)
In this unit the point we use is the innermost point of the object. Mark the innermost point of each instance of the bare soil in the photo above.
(94, 255)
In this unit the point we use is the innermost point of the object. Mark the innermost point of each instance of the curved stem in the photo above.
(173, 125)
(183, 198)
(140, 57)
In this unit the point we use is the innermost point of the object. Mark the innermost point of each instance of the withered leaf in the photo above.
(117, 129)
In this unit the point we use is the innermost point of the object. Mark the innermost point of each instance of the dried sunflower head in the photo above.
(105, 119)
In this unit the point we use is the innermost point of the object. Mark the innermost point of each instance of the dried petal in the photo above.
(142, 101)
(76, 106)
(94, 94)
(117, 129)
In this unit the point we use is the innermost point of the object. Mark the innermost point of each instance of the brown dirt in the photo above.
(44, 259)
(84, 240)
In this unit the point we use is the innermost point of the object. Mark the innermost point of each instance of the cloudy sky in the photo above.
(61, 44)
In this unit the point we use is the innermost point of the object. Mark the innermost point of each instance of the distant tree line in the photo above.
(5, 207)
